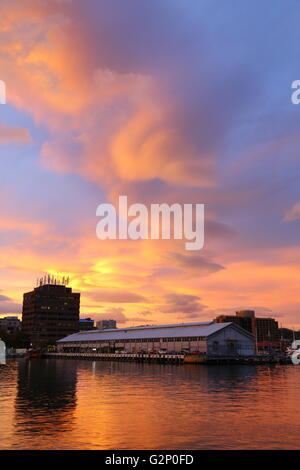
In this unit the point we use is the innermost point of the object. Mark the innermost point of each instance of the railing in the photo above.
(176, 357)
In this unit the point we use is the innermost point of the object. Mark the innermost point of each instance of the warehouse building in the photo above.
(206, 337)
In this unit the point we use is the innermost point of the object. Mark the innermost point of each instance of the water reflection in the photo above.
(57, 404)
(45, 399)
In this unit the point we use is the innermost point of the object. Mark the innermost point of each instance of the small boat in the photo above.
(194, 358)
(33, 353)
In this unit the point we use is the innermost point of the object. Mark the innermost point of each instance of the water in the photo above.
(66, 404)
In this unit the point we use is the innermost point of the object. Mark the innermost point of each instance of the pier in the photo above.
(172, 358)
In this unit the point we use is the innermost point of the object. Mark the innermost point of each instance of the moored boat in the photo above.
(33, 353)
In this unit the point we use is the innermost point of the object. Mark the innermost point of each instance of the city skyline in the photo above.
(163, 103)
(56, 280)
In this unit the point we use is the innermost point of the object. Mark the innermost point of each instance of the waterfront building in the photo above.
(86, 324)
(10, 325)
(50, 312)
(106, 324)
(244, 318)
(267, 330)
(205, 337)
(264, 329)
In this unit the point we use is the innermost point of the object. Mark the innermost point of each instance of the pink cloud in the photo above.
(14, 134)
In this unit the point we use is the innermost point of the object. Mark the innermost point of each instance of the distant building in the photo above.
(267, 330)
(86, 324)
(10, 325)
(244, 318)
(106, 324)
(288, 335)
(247, 318)
(50, 312)
(264, 329)
(223, 339)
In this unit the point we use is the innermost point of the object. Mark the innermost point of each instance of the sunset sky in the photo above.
(162, 101)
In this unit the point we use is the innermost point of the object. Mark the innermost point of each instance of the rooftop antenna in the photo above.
(53, 280)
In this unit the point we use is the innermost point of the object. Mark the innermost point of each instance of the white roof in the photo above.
(155, 331)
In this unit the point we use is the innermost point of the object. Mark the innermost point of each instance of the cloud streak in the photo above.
(173, 106)
(15, 135)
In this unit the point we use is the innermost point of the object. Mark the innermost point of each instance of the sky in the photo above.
(162, 101)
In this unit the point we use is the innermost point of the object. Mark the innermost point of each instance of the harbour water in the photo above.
(69, 404)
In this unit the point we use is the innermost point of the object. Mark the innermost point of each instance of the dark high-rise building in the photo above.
(50, 312)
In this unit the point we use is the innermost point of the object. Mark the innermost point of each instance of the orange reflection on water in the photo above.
(66, 404)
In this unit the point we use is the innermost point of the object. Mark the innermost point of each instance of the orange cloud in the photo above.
(293, 213)
(14, 134)
(118, 129)
(122, 122)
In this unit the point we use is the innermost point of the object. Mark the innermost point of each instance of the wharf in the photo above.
(173, 358)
